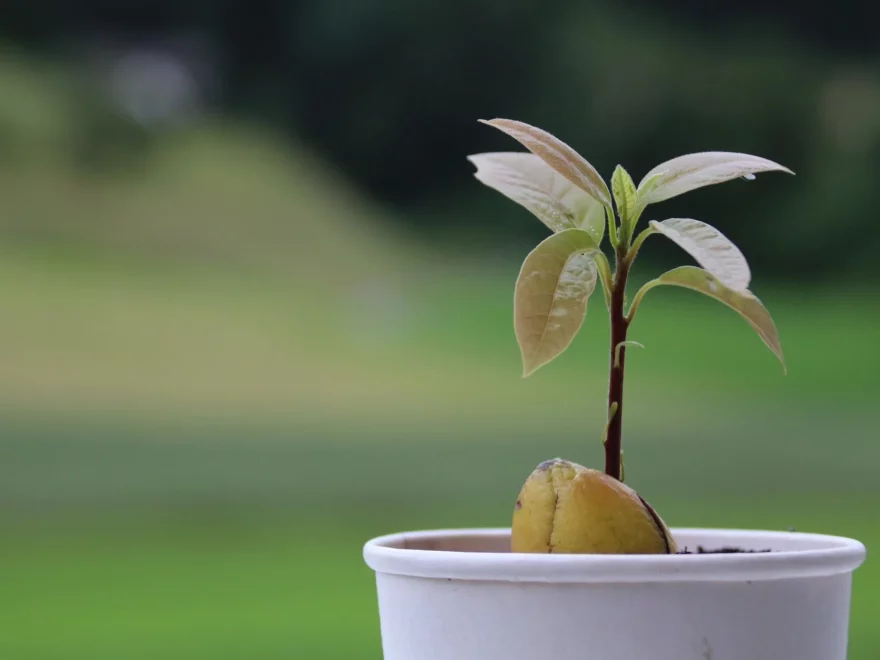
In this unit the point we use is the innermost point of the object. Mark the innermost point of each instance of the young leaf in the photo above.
(692, 171)
(624, 344)
(626, 198)
(648, 183)
(743, 302)
(712, 249)
(530, 182)
(550, 299)
(557, 155)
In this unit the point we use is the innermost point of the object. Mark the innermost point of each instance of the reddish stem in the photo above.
(618, 356)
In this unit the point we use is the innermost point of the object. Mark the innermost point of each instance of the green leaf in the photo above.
(553, 199)
(712, 249)
(557, 155)
(550, 300)
(627, 199)
(692, 171)
(744, 303)
(648, 183)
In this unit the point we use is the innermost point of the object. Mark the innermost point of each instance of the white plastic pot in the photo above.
(461, 595)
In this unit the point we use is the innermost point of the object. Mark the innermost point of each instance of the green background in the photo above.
(229, 357)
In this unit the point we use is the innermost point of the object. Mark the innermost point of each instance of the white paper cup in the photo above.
(461, 595)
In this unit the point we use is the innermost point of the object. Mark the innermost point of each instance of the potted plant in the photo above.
(588, 569)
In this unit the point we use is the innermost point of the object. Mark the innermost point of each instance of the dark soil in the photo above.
(717, 551)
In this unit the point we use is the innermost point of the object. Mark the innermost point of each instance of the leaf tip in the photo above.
(782, 168)
(528, 369)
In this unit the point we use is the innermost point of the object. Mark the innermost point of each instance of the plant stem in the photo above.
(637, 243)
(619, 325)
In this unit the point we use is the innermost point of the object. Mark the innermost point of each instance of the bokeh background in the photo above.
(257, 310)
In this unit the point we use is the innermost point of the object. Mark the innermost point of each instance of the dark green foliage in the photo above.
(388, 91)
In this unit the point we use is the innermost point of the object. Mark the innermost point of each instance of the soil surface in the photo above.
(717, 551)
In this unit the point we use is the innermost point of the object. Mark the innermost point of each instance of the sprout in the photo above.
(558, 276)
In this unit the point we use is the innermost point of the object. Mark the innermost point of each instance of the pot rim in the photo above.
(794, 555)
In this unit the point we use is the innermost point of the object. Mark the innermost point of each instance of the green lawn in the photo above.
(197, 437)
(291, 587)
(125, 538)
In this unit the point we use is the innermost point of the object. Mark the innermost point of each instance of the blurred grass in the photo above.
(178, 480)
(285, 587)
(94, 332)
(199, 430)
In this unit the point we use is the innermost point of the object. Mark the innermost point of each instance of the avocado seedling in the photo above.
(564, 507)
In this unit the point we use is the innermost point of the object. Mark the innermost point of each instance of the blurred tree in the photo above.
(390, 91)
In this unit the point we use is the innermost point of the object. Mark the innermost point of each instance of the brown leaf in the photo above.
(557, 155)
(550, 301)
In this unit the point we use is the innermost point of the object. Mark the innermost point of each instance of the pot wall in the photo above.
(459, 595)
